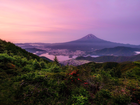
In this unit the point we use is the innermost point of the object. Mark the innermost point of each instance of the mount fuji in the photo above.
(88, 43)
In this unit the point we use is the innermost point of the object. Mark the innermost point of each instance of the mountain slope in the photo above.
(111, 58)
(117, 51)
(88, 43)
(11, 48)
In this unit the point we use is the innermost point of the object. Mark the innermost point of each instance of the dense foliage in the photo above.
(26, 79)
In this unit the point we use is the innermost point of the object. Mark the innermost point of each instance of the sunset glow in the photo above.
(53, 21)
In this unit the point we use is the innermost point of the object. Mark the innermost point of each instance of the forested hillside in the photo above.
(26, 79)
(117, 51)
(11, 49)
(111, 58)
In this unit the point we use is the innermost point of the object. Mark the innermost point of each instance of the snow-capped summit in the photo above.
(89, 37)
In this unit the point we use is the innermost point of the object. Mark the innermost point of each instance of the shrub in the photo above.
(102, 97)
(80, 96)
(55, 68)
(134, 73)
(36, 65)
(80, 100)
(106, 76)
(42, 64)
(24, 61)
(110, 65)
(121, 96)
(137, 63)
(27, 68)
(4, 57)
(116, 72)
(121, 99)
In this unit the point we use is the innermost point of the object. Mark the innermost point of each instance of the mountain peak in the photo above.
(89, 36)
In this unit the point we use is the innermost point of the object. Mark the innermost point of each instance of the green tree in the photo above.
(56, 61)
(36, 64)
(1, 47)
(42, 64)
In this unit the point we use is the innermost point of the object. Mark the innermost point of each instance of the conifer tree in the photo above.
(1, 46)
(56, 60)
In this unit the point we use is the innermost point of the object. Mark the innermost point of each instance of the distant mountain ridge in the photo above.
(117, 51)
(111, 58)
(32, 50)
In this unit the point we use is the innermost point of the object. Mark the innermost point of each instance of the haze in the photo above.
(53, 21)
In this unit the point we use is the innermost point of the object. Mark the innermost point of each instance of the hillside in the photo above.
(110, 58)
(26, 79)
(10, 48)
(117, 51)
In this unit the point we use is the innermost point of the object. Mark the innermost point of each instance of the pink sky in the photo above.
(53, 21)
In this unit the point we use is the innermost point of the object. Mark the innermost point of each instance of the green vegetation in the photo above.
(26, 79)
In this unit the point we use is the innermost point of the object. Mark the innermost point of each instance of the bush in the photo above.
(115, 72)
(110, 65)
(43, 64)
(102, 97)
(80, 96)
(36, 65)
(27, 68)
(80, 100)
(4, 57)
(55, 68)
(121, 99)
(24, 61)
(106, 76)
(134, 73)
